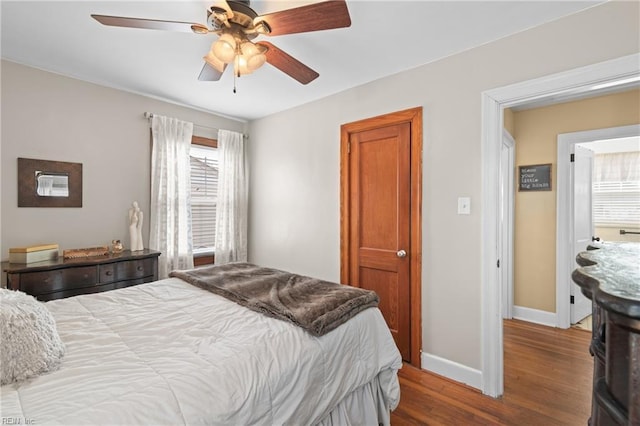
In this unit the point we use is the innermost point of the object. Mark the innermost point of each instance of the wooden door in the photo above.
(380, 252)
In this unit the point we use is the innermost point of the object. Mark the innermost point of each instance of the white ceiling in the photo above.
(385, 37)
(611, 146)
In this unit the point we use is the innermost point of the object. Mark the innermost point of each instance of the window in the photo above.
(204, 192)
(616, 189)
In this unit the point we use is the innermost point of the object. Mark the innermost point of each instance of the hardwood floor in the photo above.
(547, 382)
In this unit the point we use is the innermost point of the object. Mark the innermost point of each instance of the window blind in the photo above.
(616, 189)
(616, 203)
(204, 193)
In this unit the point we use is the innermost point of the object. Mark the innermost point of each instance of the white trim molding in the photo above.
(534, 315)
(576, 83)
(451, 370)
(491, 318)
(507, 179)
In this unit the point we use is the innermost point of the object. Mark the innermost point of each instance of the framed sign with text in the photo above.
(536, 177)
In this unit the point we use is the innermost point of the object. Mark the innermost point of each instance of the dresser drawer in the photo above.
(132, 269)
(107, 272)
(58, 280)
(126, 270)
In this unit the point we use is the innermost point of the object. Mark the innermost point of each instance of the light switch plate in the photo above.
(464, 205)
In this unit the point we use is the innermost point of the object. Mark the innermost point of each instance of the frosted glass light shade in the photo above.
(256, 61)
(252, 55)
(241, 66)
(224, 48)
(248, 49)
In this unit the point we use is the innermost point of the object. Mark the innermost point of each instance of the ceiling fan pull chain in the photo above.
(236, 72)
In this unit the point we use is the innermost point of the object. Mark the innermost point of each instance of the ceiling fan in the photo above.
(236, 25)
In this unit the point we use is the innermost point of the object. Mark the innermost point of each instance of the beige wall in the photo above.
(536, 132)
(613, 234)
(295, 204)
(50, 117)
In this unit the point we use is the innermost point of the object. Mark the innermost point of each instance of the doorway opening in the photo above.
(585, 81)
(565, 223)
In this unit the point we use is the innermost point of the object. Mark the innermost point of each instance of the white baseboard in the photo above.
(534, 315)
(471, 376)
(452, 370)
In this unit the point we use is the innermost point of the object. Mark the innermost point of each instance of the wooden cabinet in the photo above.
(610, 277)
(64, 278)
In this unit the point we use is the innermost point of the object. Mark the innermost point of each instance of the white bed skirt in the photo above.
(367, 405)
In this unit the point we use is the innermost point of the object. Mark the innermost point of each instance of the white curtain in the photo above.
(232, 211)
(170, 220)
(616, 167)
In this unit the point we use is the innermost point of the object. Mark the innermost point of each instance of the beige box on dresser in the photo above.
(33, 254)
(70, 277)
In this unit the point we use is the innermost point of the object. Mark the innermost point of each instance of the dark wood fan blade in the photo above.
(208, 73)
(313, 17)
(149, 24)
(288, 64)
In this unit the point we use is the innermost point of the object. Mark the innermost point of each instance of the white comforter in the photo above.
(171, 353)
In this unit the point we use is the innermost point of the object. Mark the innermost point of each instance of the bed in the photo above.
(170, 352)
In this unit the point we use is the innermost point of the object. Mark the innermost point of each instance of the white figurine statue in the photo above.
(135, 227)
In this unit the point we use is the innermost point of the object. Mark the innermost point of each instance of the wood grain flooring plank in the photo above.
(547, 382)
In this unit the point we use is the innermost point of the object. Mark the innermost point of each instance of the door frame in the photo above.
(507, 178)
(573, 83)
(565, 259)
(412, 116)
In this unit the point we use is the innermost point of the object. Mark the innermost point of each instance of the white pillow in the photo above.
(30, 341)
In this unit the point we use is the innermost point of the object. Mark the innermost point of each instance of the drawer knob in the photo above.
(108, 273)
(139, 268)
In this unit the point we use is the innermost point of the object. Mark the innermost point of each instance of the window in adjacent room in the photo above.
(616, 189)
(204, 193)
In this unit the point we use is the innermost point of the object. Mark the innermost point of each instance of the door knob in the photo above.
(401, 253)
(595, 238)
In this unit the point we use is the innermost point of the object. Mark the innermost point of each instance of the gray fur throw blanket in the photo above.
(316, 306)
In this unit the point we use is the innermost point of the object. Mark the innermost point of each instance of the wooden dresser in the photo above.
(610, 277)
(70, 277)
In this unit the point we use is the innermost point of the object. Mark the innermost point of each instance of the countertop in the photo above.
(610, 275)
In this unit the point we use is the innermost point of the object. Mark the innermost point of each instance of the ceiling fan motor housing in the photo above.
(243, 18)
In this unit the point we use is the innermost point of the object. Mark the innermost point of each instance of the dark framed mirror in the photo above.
(43, 183)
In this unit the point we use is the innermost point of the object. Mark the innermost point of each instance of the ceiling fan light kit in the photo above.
(236, 25)
(237, 49)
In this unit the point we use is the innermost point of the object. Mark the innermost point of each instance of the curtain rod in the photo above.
(149, 116)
